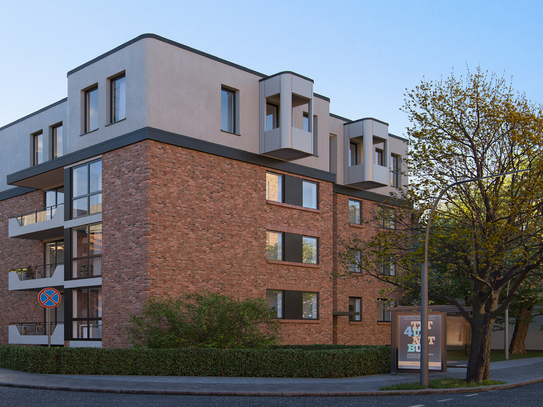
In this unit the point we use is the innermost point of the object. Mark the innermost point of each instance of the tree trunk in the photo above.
(522, 324)
(479, 356)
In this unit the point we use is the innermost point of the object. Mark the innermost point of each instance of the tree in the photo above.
(486, 233)
(524, 308)
(204, 320)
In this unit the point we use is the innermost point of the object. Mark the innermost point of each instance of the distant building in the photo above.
(168, 170)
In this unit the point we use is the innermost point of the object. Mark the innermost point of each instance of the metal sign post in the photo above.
(49, 298)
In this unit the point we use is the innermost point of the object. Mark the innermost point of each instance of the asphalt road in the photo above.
(524, 396)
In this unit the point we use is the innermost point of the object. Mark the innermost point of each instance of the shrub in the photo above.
(204, 320)
(274, 361)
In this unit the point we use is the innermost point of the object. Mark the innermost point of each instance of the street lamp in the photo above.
(424, 278)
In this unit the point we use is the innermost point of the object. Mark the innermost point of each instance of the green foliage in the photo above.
(485, 233)
(276, 361)
(204, 320)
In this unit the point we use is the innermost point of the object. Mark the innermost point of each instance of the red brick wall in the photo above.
(125, 248)
(18, 306)
(177, 220)
(368, 331)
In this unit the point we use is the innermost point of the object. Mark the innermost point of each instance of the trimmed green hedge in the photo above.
(276, 361)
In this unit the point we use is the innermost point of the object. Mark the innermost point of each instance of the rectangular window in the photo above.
(309, 193)
(57, 141)
(293, 304)
(54, 255)
(355, 211)
(87, 189)
(228, 110)
(53, 199)
(274, 299)
(118, 99)
(272, 116)
(37, 140)
(353, 154)
(310, 305)
(382, 314)
(387, 268)
(305, 124)
(291, 247)
(354, 267)
(91, 110)
(379, 157)
(309, 250)
(386, 217)
(291, 190)
(87, 251)
(274, 187)
(274, 245)
(87, 313)
(355, 309)
(395, 171)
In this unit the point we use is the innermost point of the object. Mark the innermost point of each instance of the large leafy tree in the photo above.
(485, 233)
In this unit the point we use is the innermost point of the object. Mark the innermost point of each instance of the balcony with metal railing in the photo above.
(39, 224)
(35, 333)
(36, 277)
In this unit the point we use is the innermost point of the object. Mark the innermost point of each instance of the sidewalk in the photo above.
(513, 372)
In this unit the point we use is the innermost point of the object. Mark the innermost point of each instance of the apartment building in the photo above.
(169, 170)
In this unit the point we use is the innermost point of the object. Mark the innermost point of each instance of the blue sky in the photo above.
(361, 54)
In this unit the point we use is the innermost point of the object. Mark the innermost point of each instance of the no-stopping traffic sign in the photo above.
(49, 297)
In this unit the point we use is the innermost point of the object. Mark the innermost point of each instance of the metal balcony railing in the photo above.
(40, 215)
(34, 328)
(35, 272)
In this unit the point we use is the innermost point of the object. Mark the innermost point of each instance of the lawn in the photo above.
(495, 355)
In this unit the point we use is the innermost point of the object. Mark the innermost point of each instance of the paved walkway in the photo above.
(513, 372)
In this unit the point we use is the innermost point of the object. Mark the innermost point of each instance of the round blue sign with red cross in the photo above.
(49, 298)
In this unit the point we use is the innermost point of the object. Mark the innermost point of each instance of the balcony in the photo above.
(379, 177)
(367, 154)
(35, 333)
(36, 277)
(39, 225)
(286, 116)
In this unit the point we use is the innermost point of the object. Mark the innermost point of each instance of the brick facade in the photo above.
(18, 306)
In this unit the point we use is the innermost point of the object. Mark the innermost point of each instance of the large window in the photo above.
(274, 299)
(309, 194)
(355, 212)
(293, 304)
(53, 199)
(87, 189)
(272, 116)
(395, 171)
(379, 157)
(354, 266)
(91, 110)
(118, 99)
(291, 247)
(305, 122)
(291, 190)
(274, 245)
(37, 140)
(54, 255)
(387, 268)
(274, 187)
(353, 154)
(355, 309)
(56, 141)
(87, 313)
(382, 314)
(228, 110)
(87, 251)
(386, 217)
(309, 250)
